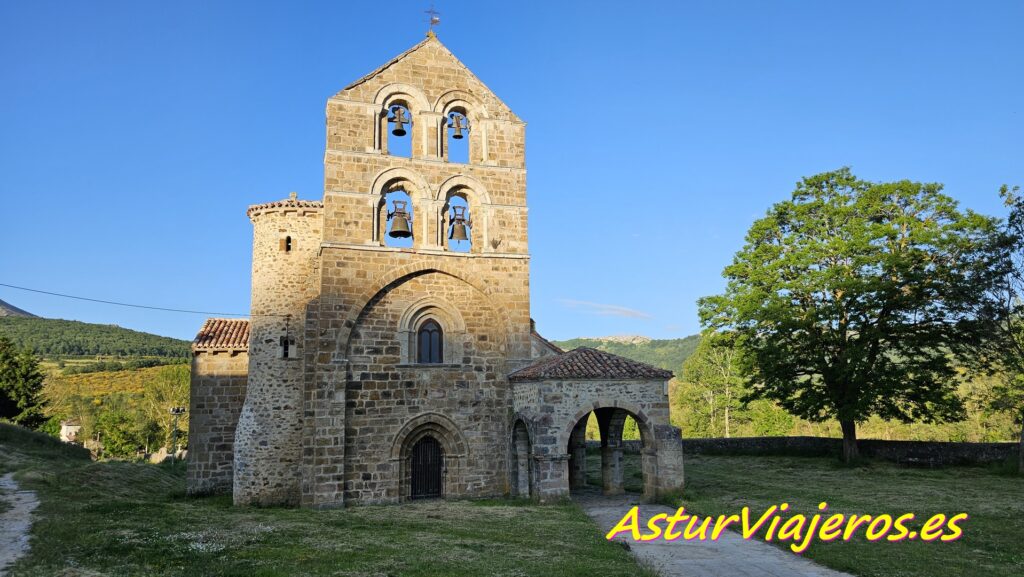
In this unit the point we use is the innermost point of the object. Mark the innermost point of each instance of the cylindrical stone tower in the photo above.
(285, 271)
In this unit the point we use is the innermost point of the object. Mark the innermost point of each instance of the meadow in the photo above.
(120, 518)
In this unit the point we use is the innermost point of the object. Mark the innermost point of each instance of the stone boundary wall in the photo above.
(916, 453)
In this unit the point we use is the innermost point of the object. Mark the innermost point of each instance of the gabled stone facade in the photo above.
(342, 404)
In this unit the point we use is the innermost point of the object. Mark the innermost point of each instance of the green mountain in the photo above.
(51, 338)
(668, 354)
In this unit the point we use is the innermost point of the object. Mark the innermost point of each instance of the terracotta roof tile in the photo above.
(223, 335)
(588, 363)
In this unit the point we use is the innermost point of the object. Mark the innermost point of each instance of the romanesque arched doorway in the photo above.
(427, 469)
(620, 467)
(429, 453)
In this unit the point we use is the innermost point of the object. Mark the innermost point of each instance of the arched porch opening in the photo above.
(612, 469)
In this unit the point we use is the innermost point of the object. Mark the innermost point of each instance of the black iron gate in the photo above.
(427, 469)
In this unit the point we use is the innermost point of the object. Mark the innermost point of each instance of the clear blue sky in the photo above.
(135, 134)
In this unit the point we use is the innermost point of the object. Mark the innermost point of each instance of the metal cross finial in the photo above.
(434, 20)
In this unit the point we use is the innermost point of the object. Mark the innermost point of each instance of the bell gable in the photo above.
(435, 76)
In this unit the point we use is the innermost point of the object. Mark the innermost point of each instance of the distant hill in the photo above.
(52, 338)
(668, 354)
(9, 310)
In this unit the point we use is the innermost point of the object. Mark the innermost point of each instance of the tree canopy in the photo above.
(1006, 348)
(20, 384)
(55, 337)
(854, 299)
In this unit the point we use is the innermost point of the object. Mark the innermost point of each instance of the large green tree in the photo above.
(854, 299)
(20, 384)
(1007, 348)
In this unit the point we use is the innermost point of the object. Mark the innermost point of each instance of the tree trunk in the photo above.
(727, 421)
(850, 452)
(1020, 451)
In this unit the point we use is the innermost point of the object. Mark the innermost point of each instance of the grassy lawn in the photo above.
(111, 518)
(993, 540)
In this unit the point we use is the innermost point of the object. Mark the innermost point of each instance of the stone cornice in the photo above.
(421, 251)
(377, 154)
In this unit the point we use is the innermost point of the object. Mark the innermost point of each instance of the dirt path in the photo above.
(729, 556)
(15, 521)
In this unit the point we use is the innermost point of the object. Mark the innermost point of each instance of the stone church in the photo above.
(390, 354)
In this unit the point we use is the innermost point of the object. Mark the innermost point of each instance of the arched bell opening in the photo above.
(397, 129)
(611, 469)
(456, 135)
(457, 224)
(523, 476)
(395, 220)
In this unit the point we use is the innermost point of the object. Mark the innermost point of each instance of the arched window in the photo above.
(429, 343)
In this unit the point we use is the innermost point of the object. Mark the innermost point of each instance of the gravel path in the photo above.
(729, 556)
(15, 522)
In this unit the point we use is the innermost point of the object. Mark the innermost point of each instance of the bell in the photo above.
(458, 232)
(458, 122)
(399, 119)
(400, 228)
(460, 227)
(401, 222)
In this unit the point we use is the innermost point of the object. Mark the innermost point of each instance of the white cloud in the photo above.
(605, 310)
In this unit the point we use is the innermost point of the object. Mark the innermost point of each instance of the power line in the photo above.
(165, 309)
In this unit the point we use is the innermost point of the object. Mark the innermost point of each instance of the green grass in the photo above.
(115, 518)
(991, 544)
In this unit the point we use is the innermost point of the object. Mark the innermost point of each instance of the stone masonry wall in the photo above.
(268, 440)
(351, 280)
(384, 392)
(215, 400)
(915, 453)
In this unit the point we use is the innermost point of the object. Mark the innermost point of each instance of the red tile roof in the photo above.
(223, 335)
(588, 363)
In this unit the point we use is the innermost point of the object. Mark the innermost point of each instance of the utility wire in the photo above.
(127, 304)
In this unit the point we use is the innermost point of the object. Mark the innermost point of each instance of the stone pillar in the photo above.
(578, 455)
(669, 464)
(610, 421)
(552, 477)
(611, 468)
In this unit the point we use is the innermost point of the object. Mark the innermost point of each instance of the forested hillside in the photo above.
(668, 354)
(51, 338)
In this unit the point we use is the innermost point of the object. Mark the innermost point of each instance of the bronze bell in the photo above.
(401, 221)
(399, 119)
(459, 123)
(459, 224)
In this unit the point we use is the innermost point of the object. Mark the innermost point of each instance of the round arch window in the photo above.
(429, 343)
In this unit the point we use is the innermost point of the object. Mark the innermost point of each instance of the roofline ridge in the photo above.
(391, 62)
